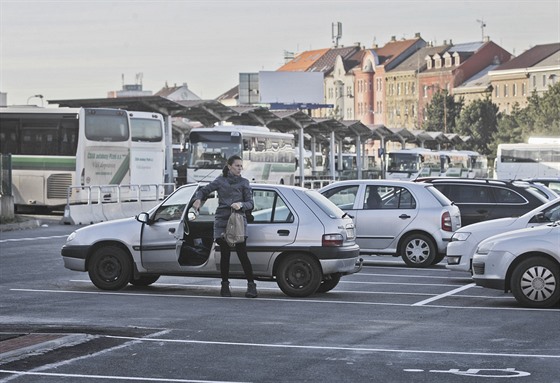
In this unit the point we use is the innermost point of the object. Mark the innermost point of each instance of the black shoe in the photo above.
(251, 290)
(224, 292)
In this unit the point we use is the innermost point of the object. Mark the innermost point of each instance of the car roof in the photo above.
(476, 181)
(376, 182)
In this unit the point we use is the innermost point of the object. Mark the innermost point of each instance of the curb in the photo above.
(24, 223)
(22, 345)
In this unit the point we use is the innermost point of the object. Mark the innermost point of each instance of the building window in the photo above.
(544, 80)
(523, 89)
(534, 81)
(425, 91)
(506, 92)
(514, 90)
(497, 91)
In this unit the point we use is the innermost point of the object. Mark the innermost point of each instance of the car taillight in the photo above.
(330, 240)
(446, 222)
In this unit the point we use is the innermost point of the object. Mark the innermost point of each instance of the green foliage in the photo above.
(480, 121)
(442, 113)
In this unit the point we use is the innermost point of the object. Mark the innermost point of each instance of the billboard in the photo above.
(291, 87)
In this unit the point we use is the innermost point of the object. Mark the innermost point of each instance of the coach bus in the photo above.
(524, 160)
(409, 164)
(268, 157)
(147, 152)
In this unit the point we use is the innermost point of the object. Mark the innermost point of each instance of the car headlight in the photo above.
(460, 236)
(71, 236)
(484, 247)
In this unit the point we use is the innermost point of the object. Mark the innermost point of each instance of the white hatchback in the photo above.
(412, 220)
(525, 262)
(465, 240)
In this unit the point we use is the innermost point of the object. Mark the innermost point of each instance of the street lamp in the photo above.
(36, 95)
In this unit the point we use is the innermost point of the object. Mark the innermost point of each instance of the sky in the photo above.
(76, 49)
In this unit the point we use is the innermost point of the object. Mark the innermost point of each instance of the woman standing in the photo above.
(234, 192)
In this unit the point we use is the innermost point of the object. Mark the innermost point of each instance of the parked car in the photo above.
(484, 199)
(465, 240)
(552, 183)
(525, 262)
(402, 218)
(295, 236)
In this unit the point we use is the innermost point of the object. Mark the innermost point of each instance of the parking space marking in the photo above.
(335, 348)
(466, 277)
(291, 300)
(32, 239)
(440, 296)
(111, 377)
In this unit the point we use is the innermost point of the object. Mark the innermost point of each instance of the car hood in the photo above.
(527, 233)
(114, 229)
(500, 223)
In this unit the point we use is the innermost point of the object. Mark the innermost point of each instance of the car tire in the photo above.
(329, 283)
(438, 258)
(299, 275)
(418, 250)
(110, 268)
(535, 282)
(144, 280)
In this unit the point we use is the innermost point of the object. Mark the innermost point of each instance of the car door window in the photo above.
(372, 198)
(397, 198)
(508, 196)
(469, 194)
(343, 196)
(270, 208)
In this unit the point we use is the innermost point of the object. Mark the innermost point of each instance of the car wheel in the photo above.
(418, 250)
(299, 275)
(110, 268)
(144, 280)
(329, 283)
(535, 282)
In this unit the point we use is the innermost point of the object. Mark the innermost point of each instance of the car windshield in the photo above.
(325, 204)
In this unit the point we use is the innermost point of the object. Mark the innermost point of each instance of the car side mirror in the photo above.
(538, 218)
(143, 217)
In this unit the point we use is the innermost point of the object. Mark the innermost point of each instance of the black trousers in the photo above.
(241, 250)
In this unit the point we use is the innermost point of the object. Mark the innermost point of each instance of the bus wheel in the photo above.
(110, 268)
(299, 275)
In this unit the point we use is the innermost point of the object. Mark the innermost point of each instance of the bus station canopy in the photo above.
(211, 112)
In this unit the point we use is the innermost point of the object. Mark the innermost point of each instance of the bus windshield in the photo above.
(211, 150)
(402, 162)
(146, 130)
(106, 125)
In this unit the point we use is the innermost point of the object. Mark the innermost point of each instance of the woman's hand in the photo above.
(236, 205)
(196, 204)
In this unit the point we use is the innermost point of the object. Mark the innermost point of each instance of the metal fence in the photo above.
(6, 174)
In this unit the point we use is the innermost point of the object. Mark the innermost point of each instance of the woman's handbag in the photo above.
(235, 229)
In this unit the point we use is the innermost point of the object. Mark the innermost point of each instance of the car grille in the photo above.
(478, 268)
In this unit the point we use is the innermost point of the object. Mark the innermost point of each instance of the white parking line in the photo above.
(290, 300)
(421, 303)
(112, 377)
(31, 239)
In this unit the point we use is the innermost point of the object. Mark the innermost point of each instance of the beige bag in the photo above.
(235, 229)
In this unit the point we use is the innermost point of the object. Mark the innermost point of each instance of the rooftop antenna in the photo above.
(336, 33)
(482, 25)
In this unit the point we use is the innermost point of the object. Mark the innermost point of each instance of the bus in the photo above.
(147, 153)
(524, 160)
(464, 164)
(63, 154)
(268, 157)
(409, 164)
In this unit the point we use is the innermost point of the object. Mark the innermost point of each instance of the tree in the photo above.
(543, 113)
(479, 120)
(442, 113)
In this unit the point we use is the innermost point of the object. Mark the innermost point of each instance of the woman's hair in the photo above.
(230, 161)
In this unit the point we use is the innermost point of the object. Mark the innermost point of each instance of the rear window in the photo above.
(324, 204)
(442, 199)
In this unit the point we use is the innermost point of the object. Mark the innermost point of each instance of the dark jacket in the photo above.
(230, 189)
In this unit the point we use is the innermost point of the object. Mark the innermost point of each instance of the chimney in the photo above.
(393, 38)
(417, 35)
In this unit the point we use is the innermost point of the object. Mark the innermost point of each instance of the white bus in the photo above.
(147, 153)
(409, 164)
(55, 148)
(518, 161)
(464, 164)
(268, 157)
